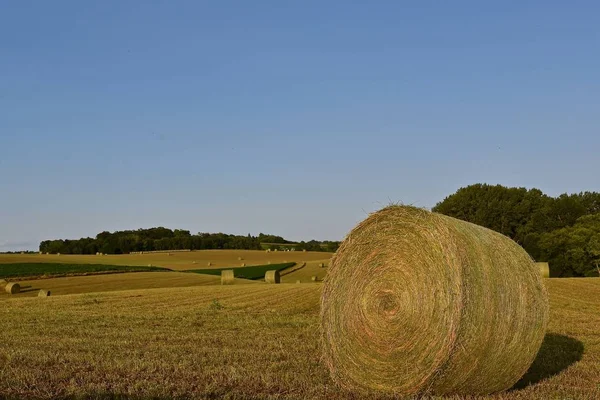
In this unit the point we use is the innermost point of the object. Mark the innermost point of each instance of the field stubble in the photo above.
(246, 341)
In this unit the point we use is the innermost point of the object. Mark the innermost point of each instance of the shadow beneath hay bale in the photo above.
(26, 289)
(556, 354)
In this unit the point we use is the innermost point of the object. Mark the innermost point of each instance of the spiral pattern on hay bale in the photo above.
(272, 277)
(12, 288)
(544, 268)
(420, 303)
(227, 277)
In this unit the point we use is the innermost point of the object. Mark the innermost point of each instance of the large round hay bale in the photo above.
(272, 277)
(12, 288)
(44, 293)
(314, 278)
(420, 303)
(544, 268)
(227, 277)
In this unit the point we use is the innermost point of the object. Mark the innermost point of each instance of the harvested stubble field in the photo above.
(117, 282)
(176, 261)
(304, 274)
(247, 341)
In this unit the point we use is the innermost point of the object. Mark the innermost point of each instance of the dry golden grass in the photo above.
(305, 273)
(244, 341)
(176, 261)
(117, 282)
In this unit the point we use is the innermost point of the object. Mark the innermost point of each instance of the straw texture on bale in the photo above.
(12, 288)
(44, 293)
(420, 303)
(272, 277)
(544, 269)
(227, 277)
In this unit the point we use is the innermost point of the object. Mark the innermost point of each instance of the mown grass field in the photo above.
(115, 282)
(24, 270)
(240, 341)
(176, 261)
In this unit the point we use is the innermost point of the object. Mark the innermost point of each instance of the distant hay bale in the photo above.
(272, 277)
(58, 254)
(418, 303)
(194, 262)
(227, 277)
(149, 265)
(240, 258)
(322, 265)
(314, 278)
(12, 288)
(243, 264)
(544, 269)
(44, 293)
(298, 281)
(268, 250)
(269, 262)
(209, 264)
(304, 250)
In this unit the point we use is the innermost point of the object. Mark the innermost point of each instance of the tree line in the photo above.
(153, 239)
(563, 230)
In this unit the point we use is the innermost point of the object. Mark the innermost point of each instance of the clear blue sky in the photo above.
(292, 118)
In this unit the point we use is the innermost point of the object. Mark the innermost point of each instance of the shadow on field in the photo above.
(25, 289)
(556, 354)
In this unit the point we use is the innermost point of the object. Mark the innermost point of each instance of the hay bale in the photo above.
(322, 265)
(194, 262)
(12, 288)
(544, 268)
(149, 265)
(240, 258)
(227, 277)
(209, 264)
(420, 303)
(298, 281)
(314, 278)
(272, 277)
(243, 264)
(44, 293)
